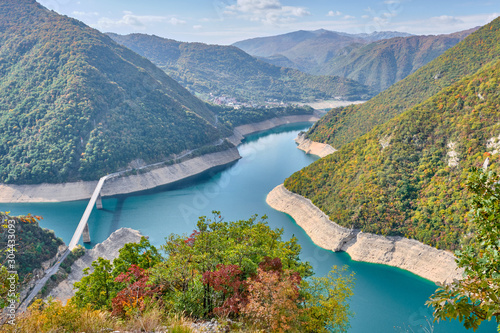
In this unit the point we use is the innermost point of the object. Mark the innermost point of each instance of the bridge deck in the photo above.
(83, 221)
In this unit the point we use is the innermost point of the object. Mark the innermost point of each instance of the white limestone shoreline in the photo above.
(151, 179)
(241, 131)
(411, 255)
(120, 185)
(312, 147)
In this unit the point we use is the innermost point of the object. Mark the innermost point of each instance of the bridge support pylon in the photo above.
(98, 203)
(86, 234)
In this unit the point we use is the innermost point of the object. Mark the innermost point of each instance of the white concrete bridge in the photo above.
(83, 227)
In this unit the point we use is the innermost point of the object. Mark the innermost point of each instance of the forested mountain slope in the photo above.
(76, 105)
(383, 63)
(227, 70)
(343, 125)
(406, 177)
(306, 50)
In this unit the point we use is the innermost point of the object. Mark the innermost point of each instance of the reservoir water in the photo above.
(386, 299)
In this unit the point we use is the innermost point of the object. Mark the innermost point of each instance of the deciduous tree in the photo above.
(476, 298)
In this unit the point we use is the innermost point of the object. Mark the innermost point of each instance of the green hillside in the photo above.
(306, 50)
(226, 70)
(32, 244)
(343, 125)
(76, 105)
(383, 63)
(406, 177)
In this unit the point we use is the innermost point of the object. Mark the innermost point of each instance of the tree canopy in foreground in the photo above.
(476, 298)
(241, 270)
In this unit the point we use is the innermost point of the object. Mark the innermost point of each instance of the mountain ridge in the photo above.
(71, 98)
(227, 70)
(296, 46)
(406, 177)
(382, 63)
(343, 125)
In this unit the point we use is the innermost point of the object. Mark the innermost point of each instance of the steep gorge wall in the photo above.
(109, 249)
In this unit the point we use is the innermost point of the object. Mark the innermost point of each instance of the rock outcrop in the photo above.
(312, 147)
(109, 249)
(411, 255)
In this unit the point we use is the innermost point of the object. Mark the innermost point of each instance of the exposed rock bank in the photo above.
(109, 249)
(144, 181)
(411, 255)
(315, 148)
(120, 185)
(241, 131)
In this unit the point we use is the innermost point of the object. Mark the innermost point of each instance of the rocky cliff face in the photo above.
(411, 255)
(109, 249)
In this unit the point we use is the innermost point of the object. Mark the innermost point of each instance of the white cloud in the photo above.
(266, 11)
(136, 21)
(197, 27)
(77, 13)
(334, 13)
(176, 21)
(348, 17)
(252, 6)
(445, 19)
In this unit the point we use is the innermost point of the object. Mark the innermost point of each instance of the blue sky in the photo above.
(228, 21)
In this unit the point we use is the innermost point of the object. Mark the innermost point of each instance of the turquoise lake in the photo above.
(386, 299)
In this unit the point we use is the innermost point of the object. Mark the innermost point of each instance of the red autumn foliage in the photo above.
(273, 300)
(269, 264)
(190, 240)
(134, 295)
(227, 279)
(30, 218)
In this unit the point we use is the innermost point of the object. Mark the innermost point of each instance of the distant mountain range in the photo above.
(344, 125)
(381, 64)
(297, 41)
(405, 155)
(227, 70)
(308, 49)
(378, 60)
